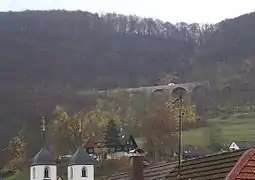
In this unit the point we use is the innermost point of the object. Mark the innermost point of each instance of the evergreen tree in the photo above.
(215, 138)
(112, 135)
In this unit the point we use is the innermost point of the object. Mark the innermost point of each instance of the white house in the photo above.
(236, 145)
(81, 166)
(43, 166)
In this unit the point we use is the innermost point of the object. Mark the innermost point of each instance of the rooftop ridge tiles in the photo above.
(240, 164)
(216, 154)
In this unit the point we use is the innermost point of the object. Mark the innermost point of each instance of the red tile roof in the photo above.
(244, 168)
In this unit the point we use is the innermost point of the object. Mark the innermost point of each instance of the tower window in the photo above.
(47, 172)
(33, 172)
(84, 172)
(71, 173)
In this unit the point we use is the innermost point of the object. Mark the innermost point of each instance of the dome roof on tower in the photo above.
(80, 157)
(43, 157)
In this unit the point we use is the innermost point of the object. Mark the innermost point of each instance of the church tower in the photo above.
(81, 166)
(43, 166)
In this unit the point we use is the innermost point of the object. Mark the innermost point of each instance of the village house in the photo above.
(96, 147)
(235, 145)
(232, 165)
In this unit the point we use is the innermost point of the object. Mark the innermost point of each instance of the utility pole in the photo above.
(180, 137)
(180, 101)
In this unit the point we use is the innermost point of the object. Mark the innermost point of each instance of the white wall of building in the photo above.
(37, 172)
(77, 172)
(233, 146)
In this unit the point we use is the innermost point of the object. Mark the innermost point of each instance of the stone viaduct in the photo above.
(172, 89)
(186, 89)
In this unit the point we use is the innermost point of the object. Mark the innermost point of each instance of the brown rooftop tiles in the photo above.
(216, 166)
(234, 165)
(153, 172)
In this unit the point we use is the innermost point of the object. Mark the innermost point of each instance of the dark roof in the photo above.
(95, 142)
(216, 166)
(156, 171)
(245, 144)
(129, 138)
(99, 141)
(195, 151)
(43, 157)
(80, 157)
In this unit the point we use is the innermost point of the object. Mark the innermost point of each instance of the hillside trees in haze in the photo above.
(46, 57)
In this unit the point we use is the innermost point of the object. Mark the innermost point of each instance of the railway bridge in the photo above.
(186, 89)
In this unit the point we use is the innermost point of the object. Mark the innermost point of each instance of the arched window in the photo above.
(71, 173)
(47, 172)
(84, 172)
(33, 171)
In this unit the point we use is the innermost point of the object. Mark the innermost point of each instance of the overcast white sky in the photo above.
(201, 11)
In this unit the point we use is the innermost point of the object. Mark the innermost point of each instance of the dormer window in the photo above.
(84, 172)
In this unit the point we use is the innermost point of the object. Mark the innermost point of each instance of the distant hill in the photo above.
(46, 56)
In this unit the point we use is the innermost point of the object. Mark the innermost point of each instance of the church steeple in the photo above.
(43, 165)
(80, 133)
(43, 131)
(80, 166)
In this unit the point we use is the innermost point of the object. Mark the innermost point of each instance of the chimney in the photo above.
(137, 165)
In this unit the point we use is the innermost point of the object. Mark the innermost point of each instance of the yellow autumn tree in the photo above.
(64, 131)
(96, 120)
(17, 152)
(161, 125)
(58, 131)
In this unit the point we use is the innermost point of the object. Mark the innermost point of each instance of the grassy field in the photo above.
(237, 127)
(22, 175)
(195, 137)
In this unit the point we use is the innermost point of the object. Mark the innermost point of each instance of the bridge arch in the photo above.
(200, 98)
(160, 95)
(178, 92)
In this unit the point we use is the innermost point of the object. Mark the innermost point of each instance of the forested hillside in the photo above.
(46, 57)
